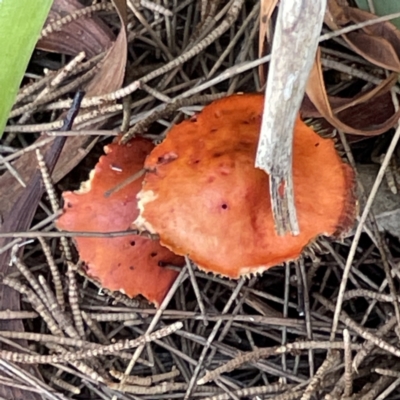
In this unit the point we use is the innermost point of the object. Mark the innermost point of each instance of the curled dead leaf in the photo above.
(89, 34)
(378, 43)
(267, 7)
(112, 68)
(317, 94)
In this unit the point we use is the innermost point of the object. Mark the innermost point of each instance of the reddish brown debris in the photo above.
(204, 197)
(131, 263)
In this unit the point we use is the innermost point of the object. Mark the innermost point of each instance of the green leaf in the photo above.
(382, 7)
(20, 24)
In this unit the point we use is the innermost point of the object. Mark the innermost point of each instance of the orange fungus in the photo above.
(131, 264)
(203, 196)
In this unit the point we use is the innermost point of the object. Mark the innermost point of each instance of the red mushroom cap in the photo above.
(205, 199)
(128, 263)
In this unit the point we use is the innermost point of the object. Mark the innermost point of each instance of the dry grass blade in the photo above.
(109, 349)
(267, 352)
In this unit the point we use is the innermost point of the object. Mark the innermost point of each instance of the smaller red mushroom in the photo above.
(131, 264)
(205, 199)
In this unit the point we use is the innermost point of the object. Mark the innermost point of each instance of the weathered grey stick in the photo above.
(293, 51)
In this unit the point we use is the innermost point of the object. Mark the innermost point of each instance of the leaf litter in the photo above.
(270, 336)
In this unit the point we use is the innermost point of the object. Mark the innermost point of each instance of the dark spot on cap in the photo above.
(211, 179)
(167, 158)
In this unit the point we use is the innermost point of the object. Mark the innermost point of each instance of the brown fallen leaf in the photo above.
(362, 116)
(267, 7)
(112, 69)
(316, 92)
(378, 43)
(89, 34)
(364, 97)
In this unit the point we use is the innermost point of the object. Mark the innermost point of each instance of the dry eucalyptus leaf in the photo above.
(364, 97)
(112, 70)
(381, 8)
(362, 116)
(378, 43)
(89, 34)
(317, 94)
(267, 7)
